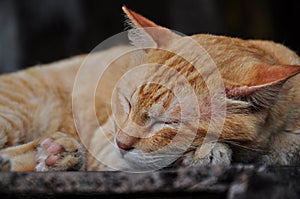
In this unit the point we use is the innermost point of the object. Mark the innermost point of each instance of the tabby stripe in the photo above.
(39, 77)
(6, 102)
(12, 95)
(23, 123)
(16, 123)
(157, 97)
(16, 107)
(6, 130)
(17, 84)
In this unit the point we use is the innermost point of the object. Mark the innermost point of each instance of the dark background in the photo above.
(41, 31)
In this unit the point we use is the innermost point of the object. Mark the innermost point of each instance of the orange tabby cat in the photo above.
(237, 101)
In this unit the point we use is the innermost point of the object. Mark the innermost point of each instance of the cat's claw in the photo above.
(59, 153)
(220, 154)
(5, 163)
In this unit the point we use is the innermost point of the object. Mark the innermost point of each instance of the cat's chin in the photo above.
(140, 161)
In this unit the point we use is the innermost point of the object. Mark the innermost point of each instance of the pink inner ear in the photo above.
(271, 74)
(137, 19)
(263, 76)
(241, 91)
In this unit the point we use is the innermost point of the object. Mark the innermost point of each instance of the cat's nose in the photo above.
(125, 147)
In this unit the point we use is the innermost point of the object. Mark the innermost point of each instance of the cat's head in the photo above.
(188, 86)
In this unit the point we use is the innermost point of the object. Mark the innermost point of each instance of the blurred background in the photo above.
(40, 31)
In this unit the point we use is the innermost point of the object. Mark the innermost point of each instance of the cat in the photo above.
(200, 100)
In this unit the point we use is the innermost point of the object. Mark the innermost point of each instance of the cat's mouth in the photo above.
(140, 161)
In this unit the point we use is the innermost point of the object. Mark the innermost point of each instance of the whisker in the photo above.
(297, 132)
(230, 142)
(244, 147)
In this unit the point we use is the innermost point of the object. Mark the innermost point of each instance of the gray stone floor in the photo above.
(238, 181)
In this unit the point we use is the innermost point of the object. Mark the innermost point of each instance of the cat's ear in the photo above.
(146, 33)
(263, 85)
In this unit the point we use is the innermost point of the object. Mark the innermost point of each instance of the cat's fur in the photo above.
(160, 121)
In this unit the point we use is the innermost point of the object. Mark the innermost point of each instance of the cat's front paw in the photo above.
(5, 164)
(215, 154)
(59, 152)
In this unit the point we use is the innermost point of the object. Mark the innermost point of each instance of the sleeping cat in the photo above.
(199, 100)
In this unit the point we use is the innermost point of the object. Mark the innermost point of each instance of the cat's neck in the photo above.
(285, 114)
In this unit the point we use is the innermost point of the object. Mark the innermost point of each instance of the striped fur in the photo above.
(161, 111)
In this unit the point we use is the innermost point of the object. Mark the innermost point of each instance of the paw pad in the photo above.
(59, 154)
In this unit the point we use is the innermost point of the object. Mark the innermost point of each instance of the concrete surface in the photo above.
(238, 181)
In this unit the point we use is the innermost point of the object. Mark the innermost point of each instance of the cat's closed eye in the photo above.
(170, 122)
(128, 106)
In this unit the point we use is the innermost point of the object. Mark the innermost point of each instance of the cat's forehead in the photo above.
(151, 94)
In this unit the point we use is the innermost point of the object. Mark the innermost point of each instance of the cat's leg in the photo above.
(283, 149)
(19, 158)
(58, 152)
(208, 154)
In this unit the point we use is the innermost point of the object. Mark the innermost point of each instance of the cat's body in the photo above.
(39, 101)
(49, 109)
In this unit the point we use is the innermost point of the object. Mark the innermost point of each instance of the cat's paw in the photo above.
(5, 164)
(215, 154)
(59, 152)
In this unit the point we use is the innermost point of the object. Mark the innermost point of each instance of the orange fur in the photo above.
(260, 79)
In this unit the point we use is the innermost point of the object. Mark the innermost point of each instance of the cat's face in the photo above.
(165, 108)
